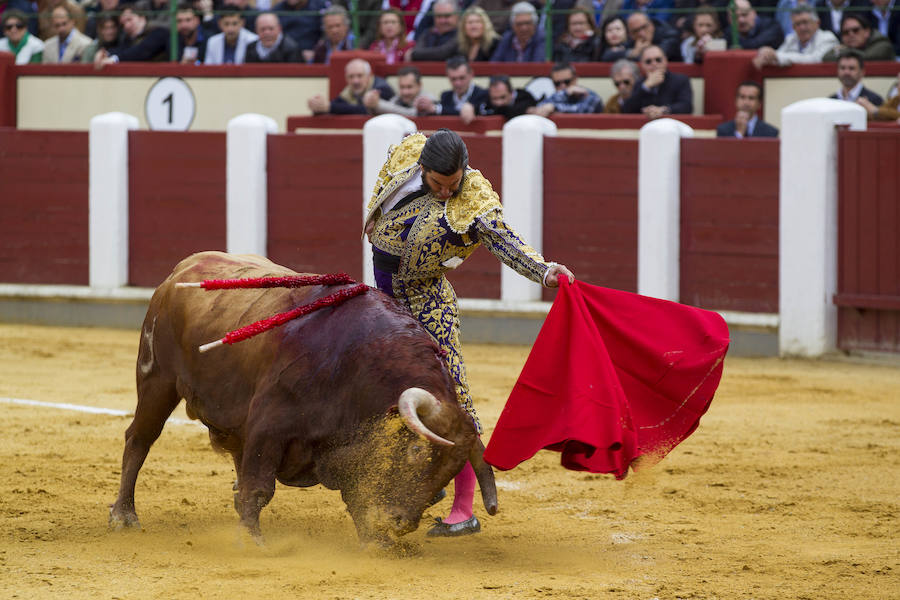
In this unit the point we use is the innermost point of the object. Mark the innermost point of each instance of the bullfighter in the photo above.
(429, 211)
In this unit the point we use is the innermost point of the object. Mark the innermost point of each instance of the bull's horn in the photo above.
(485, 475)
(410, 403)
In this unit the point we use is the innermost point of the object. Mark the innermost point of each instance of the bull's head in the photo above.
(408, 458)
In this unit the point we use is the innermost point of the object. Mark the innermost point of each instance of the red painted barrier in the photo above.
(7, 90)
(590, 209)
(44, 207)
(868, 297)
(729, 224)
(176, 198)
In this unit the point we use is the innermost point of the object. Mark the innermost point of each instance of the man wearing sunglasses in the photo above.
(569, 97)
(660, 92)
(624, 74)
(857, 34)
(17, 40)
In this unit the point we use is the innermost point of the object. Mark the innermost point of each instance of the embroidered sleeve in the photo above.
(504, 243)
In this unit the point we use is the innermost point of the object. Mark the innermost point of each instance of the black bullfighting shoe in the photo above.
(437, 498)
(467, 527)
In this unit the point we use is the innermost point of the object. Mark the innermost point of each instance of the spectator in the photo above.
(615, 39)
(391, 38)
(409, 89)
(785, 9)
(660, 92)
(657, 9)
(498, 11)
(93, 11)
(746, 122)
(887, 111)
(705, 34)
(807, 44)
(887, 21)
(18, 41)
(754, 31)
(45, 16)
(230, 46)
(359, 77)
(367, 13)
(107, 26)
(850, 72)
(273, 46)
(569, 97)
(68, 45)
(503, 100)
(578, 43)
(408, 10)
(462, 90)
(832, 11)
(305, 25)
(141, 43)
(439, 41)
(208, 25)
(337, 37)
(246, 11)
(191, 39)
(857, 34)
(156, 11)
(624, 74)
(477, 40)
(646, 32)
(524, 42)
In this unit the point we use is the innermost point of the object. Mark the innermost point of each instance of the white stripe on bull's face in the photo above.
(146, 352)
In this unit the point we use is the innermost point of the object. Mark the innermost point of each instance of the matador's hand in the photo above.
(551, 278)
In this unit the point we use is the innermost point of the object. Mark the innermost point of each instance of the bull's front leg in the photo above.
(256, 480)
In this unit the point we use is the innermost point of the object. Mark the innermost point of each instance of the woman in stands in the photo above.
(615, 40)
(477, 37)
(704, 29)
(578, 43)
(107, 25)
(391, 38)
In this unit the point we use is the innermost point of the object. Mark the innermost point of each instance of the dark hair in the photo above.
(860, 18)
(455, 62)
(500, 79)
(187, 6)
(749, 83)
(852, 53)
(14, 13)
(410, 70)
(562, 66)
(444, 152)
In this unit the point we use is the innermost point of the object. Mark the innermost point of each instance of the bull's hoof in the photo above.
(122, 519)
(437, 498)
(467, 527)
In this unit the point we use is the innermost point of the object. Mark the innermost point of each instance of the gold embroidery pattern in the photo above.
(388, 228)
(427, 246)
(476, 198)
(433, 302)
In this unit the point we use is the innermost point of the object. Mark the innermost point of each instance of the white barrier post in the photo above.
(659, 207)
(246, 183)
(523, 194)
(807, 217)
(108, 199)
(379, 133)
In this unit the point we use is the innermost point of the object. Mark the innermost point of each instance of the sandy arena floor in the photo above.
(790, 488)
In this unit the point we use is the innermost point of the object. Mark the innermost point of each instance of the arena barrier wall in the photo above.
(868, 289)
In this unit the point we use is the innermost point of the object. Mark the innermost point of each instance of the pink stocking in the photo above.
(464, 485)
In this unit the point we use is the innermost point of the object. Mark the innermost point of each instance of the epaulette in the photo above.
(476, 198)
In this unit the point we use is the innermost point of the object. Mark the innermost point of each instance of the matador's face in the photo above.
(442, 186)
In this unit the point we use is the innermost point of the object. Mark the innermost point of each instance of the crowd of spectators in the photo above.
(639, 37)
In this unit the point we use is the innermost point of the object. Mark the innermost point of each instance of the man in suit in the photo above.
(645, 32)
(660, 92)
(230, 46)
(462, 90)
(142, 43)
(352, 99)
(746, 123)
(754, 31)
(68, 44)
(850, 71)
(273, 46)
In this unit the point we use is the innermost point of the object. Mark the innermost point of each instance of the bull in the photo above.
(355, 397)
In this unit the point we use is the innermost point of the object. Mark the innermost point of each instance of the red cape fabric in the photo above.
(612, 376)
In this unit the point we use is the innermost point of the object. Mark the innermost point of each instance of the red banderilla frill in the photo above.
(293, 281)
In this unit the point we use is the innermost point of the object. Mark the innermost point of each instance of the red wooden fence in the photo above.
(44, 207)
(729, 224)
(176, 198)
(868, 297)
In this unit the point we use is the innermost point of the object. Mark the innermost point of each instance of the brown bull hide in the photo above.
(313, 401)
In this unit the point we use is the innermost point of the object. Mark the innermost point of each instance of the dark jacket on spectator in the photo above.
(348, 104)
(877, 48)
(667, 38)
(868, 95)
(478, 97)
(761, 129)
(322, 50)
(829, 24)
(151, 45)
(534, 51)
(521, 103)
(305, 29)
(587, 50)
(674, 92)
(766, 32)
(286, 51)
